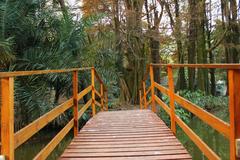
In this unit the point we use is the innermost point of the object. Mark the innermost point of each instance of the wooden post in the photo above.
(140, 99)
(152, 89)
(7, 118)
(234, 112)
(171, 96)
(144, 95)
(75, 102)
(102, 97)
(93, 91)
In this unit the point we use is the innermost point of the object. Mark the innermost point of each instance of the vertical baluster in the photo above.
(152, 89)
(102, 97)
(75, 101)
(93, 91)
(171, 96)
(144, 95)
(7, 118)
(234, 111)
(140, 99)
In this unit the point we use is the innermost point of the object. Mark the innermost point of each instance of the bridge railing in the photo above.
(230, 130)
(10, 140)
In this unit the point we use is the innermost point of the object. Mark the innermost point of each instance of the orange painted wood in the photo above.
(152, 89)
(7, 118)
(171, 97)
(84, 108)
(206, 117)
(44, 153)
(93, 91)
(149, 102)
(75, 102)
(161, 88)
(98, 104)
(234, 110)
(27, 132)
(99, 79)
(140, 99)
(163, 105)
(124, 134)
(219, 66)
(208, 152)
(97, 93)
(149, 89)
(144, 94)
(38, 72)
(84, 92)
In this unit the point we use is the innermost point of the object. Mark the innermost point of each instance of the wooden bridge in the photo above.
(136, 134)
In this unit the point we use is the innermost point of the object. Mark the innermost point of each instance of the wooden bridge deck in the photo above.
(123, 135)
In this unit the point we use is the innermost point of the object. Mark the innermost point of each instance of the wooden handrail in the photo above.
(231, 131)
(11, 140)
(38, 72)
(207, 66)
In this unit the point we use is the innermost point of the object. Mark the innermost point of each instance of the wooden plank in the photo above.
(161, 88)
(102, 150)
(84, 92)
(84, 108)
(152, 89)
(207, 66)
(208, 152)
(171, 97)
(123, 134)
(38, 72)
(234, 111)
(44, 153)
(162, 157)
(75, 102)
(133, 145)
(24, 134)
(93, 91)
(206, 117)
(7, 118)
(163, 105)
(122, 154)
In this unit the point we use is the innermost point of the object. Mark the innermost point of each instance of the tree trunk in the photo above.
(202, 76)
(192, 43)
(134, 70)
(181, 83)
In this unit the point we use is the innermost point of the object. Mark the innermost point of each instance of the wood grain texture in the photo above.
(136, 134)
(7, 118)
(38, 72)
(234, 111)
(152, 89)
(75, 102)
